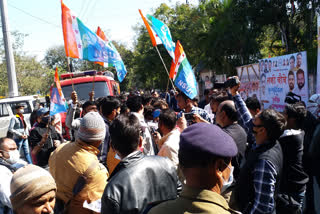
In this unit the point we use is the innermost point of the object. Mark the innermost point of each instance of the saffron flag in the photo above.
(178, 52)
(57, 81)
(58, 103)
(183, 75)
(80, 42)
(163, 32)
(153, 36)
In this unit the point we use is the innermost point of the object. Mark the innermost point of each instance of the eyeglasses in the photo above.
(257, 126)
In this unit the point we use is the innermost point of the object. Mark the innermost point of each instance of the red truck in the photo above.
(104, 85)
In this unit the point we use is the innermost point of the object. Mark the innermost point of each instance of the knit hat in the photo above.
(92, 128)
(30, 182)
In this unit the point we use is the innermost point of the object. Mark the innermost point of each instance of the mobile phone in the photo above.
(189, 116)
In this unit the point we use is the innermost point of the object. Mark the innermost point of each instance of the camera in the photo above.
(231, 81)
(292, 98)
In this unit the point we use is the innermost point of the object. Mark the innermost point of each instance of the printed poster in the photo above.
(249, 78)
(280, 75)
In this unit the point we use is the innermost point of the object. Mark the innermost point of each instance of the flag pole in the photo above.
(94, 77)
(167, 89)
(165, 67)
(69, 70)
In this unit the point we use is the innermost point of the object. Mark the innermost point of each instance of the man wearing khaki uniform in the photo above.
(204, 156)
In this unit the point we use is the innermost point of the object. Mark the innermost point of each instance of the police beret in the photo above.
(208, 139)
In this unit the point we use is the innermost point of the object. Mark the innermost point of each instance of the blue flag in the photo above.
(57, 103)
(164, 34)
(81, 42)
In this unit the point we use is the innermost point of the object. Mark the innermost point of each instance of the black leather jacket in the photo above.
(137, 181)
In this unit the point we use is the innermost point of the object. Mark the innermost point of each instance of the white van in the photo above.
(7, 110)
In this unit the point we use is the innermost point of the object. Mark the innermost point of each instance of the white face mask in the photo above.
(227, 183)
(14, 157)
(21, 111)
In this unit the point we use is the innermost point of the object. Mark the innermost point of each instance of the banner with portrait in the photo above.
(280, 75)
(249, 78)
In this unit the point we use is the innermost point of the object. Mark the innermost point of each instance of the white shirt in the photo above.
(170, 147)
(6, 176)
(208, 109)
(147, 140)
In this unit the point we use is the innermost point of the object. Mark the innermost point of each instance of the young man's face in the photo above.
(181, 102)
(270, 64)
(90, 109)
(291, 82)
(214, 106)
(299, 61)
(300, 80)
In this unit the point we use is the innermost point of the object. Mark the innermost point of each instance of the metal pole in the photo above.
(12, 79)
(165, 67)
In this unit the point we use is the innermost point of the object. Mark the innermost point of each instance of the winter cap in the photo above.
(30, 182)
(92, 128)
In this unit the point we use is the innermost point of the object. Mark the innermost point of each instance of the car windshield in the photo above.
(100, 90)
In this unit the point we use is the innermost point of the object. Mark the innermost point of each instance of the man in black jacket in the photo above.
(138, 180)
(294, 178)
(226, 118)
(44, 139)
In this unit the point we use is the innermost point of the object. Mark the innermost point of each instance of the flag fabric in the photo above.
(57, 81)
(80, 42)
(153, 36)
(101, 34)
(183, 75)
(164, 34)
(58, 103)
(178, 52)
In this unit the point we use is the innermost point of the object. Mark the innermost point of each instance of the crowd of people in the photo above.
(150, 153)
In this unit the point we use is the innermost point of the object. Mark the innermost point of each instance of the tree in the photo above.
(32, 76)
(56, 57)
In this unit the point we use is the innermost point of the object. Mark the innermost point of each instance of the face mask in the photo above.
(45, 119)
(14, 157)
(21, 111)
(227, 184)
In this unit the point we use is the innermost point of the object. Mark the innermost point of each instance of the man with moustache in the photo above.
(291, 80)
